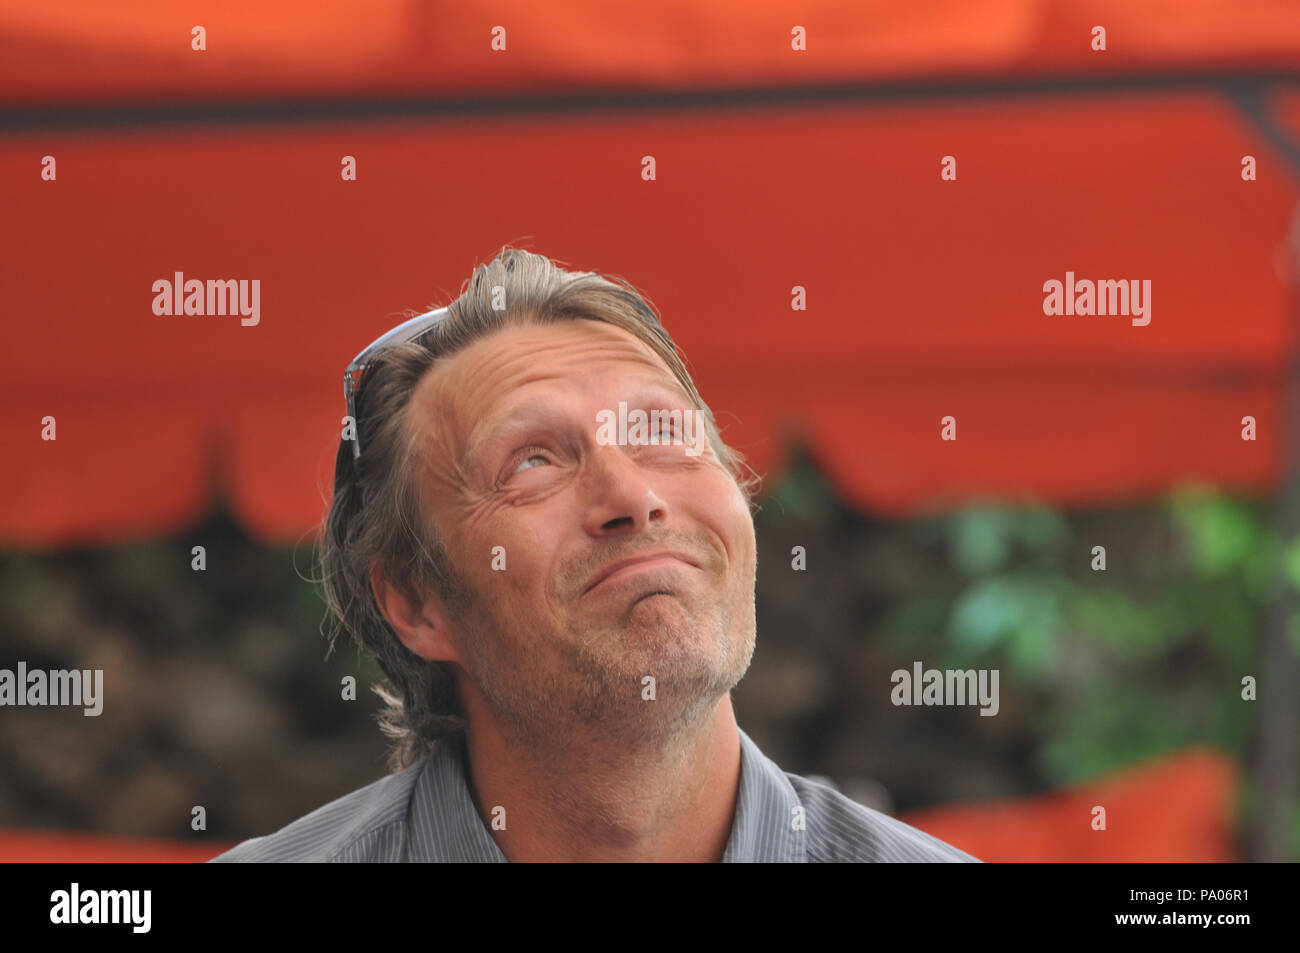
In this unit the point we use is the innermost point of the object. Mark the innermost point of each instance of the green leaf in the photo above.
(1220, 532)
(983, 616)
(980, 541)
(1291, 562)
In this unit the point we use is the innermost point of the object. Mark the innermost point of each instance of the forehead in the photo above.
(465, 388)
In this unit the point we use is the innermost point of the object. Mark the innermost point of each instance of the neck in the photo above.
(590, 799)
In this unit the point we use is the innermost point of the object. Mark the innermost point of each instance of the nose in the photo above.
(620, 497)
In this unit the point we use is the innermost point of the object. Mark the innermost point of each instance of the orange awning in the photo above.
(775, 169)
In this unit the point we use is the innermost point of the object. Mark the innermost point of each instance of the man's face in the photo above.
(511, 459)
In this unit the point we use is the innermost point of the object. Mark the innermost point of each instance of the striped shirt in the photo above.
(425, 813)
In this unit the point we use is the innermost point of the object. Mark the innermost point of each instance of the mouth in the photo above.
(646, 562)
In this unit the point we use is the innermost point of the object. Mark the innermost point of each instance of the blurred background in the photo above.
(916, 171)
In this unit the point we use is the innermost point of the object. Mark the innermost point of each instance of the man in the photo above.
(561, 602)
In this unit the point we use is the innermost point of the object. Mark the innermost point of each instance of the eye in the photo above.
(675, 432)
(528, 455)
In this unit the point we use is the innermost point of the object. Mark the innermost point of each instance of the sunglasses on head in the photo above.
(407, 331)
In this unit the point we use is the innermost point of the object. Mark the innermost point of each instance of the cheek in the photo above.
(721, 506)
(514, 557)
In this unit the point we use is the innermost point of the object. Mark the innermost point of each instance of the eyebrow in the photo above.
(524, 415)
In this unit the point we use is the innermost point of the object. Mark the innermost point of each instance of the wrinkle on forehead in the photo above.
(462, 390)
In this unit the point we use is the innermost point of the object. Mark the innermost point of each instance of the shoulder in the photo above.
(842, 830)
(367, 825)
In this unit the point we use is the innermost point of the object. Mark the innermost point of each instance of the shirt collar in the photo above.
(766, 827)
(445, 825)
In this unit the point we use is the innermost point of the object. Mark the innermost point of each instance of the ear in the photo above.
(423, 627)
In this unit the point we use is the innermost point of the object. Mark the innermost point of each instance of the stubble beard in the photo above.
(591, 686)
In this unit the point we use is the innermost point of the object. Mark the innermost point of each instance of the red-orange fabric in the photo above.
(924, 296)
(1178, 809)
(80, 50)
(58, 847)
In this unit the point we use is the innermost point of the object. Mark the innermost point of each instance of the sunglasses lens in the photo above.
(352, 377)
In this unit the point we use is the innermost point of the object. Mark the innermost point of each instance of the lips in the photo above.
(634, 560)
